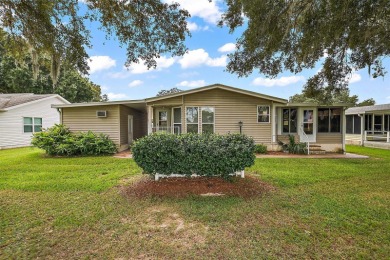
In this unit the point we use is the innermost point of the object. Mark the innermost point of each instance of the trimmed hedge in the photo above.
(187, 154)
(260, 148)
(58, 140)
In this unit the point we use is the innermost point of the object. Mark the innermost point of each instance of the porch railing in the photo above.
(167, 129)
(307, 140)
(381, 136)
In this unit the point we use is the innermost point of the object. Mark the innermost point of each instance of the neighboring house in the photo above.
(368, 125)
(211, 109)
(23, 114)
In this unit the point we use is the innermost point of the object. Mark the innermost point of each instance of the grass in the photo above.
(73, 208)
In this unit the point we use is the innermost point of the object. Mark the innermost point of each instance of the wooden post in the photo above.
(156, 176)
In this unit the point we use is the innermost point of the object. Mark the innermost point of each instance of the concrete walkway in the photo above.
(314, 156)
(127, 154)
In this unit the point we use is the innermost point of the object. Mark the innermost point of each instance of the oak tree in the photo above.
(146, 28)
(297, 34)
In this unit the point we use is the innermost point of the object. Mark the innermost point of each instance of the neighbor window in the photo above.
(353, 124)
(368, 122)
(263, 114)
(329, 120)
(387, 123)
(32, 124)
(207, 120)
(192, 119)
(289, 120)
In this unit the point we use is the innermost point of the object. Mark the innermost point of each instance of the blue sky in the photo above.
(204, 64)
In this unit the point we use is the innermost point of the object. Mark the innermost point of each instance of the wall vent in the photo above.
(101, 113)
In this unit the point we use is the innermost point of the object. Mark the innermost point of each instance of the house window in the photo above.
(263, 114)
(177, 120)
(378, 122)
(192, 119)
(289, 120)
(387, 123)
(353, 124)
(207, 120)
(329, 120)
(368, 122)
(32, 124)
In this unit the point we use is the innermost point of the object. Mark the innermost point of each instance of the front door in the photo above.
(130, 129)
(162, 120)
(308, 130)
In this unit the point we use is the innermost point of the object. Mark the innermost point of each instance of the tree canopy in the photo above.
(297, 34)
(342, 96)
(17, 76)
(167, 92)
(59, 28)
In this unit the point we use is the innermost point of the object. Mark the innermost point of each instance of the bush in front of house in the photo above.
(260, 148)
(187, 154)
(58, 140)
(293, 147)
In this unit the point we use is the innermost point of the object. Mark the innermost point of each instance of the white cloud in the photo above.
(355, 77)
(135, 83)
(194, 27)
(283, 81)
(140, 68)
(162, 63)
(208, 11)
(388, 97)
(228, 47)
(117, 96)
(98, 63)
(200, 57)
(191, 84)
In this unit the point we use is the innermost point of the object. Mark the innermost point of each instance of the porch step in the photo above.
(317, 152)
(316, 149)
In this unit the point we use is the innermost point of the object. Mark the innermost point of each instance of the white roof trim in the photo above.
(36, 101)
(220, 86)
(106, 103)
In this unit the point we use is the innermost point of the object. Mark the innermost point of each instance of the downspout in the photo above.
(60, 111)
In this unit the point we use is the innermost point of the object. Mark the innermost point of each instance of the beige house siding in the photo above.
(230, 108)
(285, 139)
(84, 119)
(329, 138)
(168, 102)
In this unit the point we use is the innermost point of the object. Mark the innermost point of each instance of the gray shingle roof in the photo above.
(11, 100)
(361, 110)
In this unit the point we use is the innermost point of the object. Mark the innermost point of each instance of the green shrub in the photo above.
(58, 140)
(186, 154)
(293, 147)
(260, 148)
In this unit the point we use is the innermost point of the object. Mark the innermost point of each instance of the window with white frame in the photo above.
(32, 124)
(207, 120)
(289, 120)
(329, 120)
(263, 114)
(192, 117)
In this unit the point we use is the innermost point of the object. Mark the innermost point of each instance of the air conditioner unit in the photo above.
(101, 113)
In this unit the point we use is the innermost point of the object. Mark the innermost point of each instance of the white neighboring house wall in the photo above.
(11, 121)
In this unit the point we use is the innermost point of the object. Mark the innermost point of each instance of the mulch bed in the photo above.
(248, 187)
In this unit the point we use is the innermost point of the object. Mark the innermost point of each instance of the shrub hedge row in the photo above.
(187, 154)
(58, 140)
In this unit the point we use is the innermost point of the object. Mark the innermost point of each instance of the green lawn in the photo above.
(73, 208)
